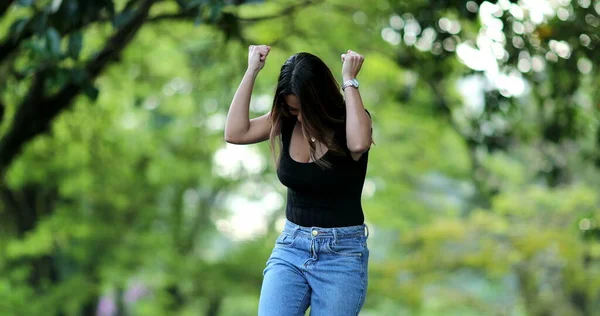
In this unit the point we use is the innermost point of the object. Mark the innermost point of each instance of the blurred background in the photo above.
(119, 196)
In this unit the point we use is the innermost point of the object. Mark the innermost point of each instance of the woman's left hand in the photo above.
(352, 63)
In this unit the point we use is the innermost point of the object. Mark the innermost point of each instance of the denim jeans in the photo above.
(324, 268)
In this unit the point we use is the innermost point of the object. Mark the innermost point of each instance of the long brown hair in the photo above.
(323, 107)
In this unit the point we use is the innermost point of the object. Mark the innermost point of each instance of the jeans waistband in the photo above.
(335, 232)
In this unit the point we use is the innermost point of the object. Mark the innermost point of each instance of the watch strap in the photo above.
(349, 83)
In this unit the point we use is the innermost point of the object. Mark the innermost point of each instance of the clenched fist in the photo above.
(352, 61)
(257, 55)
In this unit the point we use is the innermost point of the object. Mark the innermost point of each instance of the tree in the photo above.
(545, 134)
(474, 208)
(54, 83)
(58, 219)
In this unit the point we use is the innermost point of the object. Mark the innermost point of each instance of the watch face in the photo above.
(355, 82)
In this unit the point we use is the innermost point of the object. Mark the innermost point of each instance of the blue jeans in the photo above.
(324, 268)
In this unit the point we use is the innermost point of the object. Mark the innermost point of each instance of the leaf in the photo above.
(198, 20)
(61, 76)
(110, 7)
(37, 48)
(91, 92)
(53, 41)
(75, 44)
(78, 76)
(17, 27)
(25, 3)
(182, 5)
(55, 5)
(122, 18)
(215, 12)
(72, 8)
(195, 3)
(1, 112)
(39, 23)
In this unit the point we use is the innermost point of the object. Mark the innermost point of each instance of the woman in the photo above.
(320, 259)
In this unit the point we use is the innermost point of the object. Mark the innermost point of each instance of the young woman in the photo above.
(320, 259)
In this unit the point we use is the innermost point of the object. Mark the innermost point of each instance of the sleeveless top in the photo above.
(322, 197)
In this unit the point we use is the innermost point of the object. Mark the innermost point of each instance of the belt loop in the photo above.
(293, 229)
(366, 230)
(335, 239)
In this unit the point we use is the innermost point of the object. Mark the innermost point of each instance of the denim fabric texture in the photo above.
(324, 268)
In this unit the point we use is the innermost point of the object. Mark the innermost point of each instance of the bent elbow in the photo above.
(230, 139)
(359, 148)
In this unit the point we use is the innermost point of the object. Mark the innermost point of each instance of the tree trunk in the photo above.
(37, 110)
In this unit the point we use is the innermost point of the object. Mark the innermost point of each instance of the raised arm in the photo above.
(358, 122)
(239, 128)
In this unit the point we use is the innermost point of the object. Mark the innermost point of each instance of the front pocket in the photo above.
(284, 240)
(353, 247)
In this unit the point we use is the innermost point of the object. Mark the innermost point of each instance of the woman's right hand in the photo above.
(257, 55)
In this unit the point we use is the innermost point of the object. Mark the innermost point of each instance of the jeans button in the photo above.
(315, 233)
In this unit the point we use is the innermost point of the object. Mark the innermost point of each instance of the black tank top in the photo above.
(322, 197)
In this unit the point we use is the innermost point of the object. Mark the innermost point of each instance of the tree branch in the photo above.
(25, 116)
(191, 14)
(17, 206)
(2, 110)
(4, 6)
(285, 12)
(36, 112)
(9, 45)
(119, 41)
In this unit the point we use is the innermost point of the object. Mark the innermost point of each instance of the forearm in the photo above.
(238, 117)
(358, 123)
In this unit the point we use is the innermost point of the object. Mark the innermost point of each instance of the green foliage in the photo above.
(481, 201)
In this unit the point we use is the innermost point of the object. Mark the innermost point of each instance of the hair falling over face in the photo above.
(306, 80)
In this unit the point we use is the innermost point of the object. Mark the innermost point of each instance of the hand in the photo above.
(257, 55)
(352, 63)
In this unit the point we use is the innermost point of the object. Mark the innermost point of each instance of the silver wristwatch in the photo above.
(350, 83)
